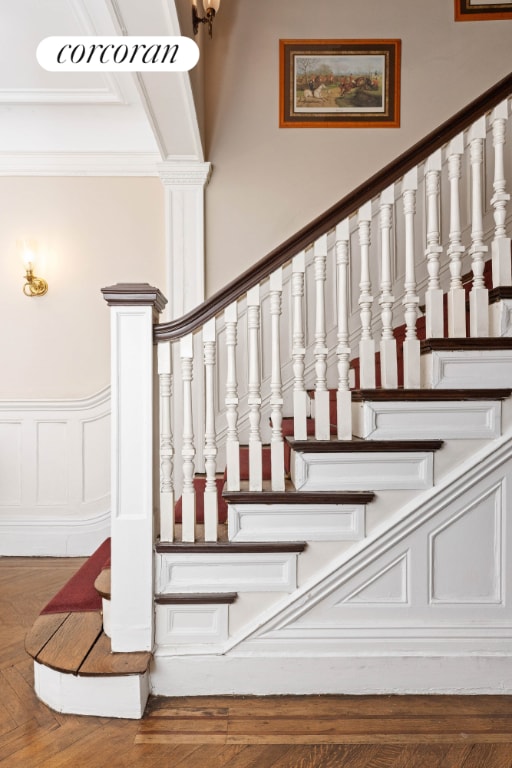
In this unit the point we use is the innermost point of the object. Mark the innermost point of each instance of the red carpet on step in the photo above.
(79, 593)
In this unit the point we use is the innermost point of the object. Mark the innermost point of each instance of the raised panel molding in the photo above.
(390, 585)
(449, 420)
(456, 369)
(185, 625)
(55, 475)
(296, 522)
(466, 554)
(432, 585)
(248, 572)
(362, 471)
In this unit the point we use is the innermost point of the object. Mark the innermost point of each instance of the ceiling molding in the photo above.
(109, 94)
(79, 164)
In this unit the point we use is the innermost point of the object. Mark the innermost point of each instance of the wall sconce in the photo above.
(34, 286)
(211, 7)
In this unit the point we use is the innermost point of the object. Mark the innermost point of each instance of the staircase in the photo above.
(334, 446)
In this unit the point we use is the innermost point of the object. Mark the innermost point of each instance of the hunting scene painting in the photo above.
(339, 83)
(482, 10)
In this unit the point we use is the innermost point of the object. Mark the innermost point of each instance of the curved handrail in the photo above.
(182, 326)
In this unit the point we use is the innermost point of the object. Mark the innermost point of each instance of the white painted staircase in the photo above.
(367, 537)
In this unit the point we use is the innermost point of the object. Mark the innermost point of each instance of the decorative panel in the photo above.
(10, 462)
(52, 463)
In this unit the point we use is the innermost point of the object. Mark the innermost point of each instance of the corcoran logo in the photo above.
(117, 54)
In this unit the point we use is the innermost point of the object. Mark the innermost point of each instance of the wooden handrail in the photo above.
(341, 210)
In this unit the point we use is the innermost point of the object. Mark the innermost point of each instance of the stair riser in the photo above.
(466, 369)
(362, 471)
(179, 626)
(225, 572)
(406, 420)
(289, 522)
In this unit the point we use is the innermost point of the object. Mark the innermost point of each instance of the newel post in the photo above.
(133, 308)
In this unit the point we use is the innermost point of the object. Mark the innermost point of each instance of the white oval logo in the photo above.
(117, 54)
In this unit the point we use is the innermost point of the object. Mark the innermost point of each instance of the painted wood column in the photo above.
(134, 309)
(184, 184)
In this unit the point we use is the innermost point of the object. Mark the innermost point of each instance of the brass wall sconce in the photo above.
(211, 7)
(34, 286)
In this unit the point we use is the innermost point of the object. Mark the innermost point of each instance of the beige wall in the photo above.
(96, 231)
(269, 182)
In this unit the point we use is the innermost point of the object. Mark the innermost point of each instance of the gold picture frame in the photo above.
(474, 10)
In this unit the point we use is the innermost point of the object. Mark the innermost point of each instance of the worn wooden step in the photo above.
(427, 395)
(75, 643)
(102, 584)
(202, 598)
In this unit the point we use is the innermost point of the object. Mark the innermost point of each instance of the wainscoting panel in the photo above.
(54, 475)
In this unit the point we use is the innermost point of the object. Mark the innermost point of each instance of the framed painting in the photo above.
(339, 83)
(482, 10)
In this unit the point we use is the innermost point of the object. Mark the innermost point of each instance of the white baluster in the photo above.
(254, 398)
(410, 300)
(166, 444)
(322, 428)
(366, 344)
(188, 496)
(456, 293)
(479, 296)
(231, 401)
(211, 516)
(434, 319)
(298, 349)
(501, 263)
(388, 358)
(276, 393)
(343, 394)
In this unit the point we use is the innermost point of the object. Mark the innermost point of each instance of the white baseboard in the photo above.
(355, 675)
(50, 537)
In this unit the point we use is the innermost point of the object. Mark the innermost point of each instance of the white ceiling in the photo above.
(45, 114)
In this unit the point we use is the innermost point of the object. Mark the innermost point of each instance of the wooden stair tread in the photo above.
(44, 627)
(426, 395)
(360, 445)
(193, 598)
(499, 293)
(293, 496)
(234, 547)
(68, 647)
(101, 662)
(465, 343)
(75, 643)
(102, 584)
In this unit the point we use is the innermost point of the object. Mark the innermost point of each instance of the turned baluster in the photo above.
(388, 358)
(343, 394)
(166, 443)
(434, 319)
(298, 348)
(210, 444)
(479, 295)
(410, 302)
(456, 293)
(188, 496)
(231, 401)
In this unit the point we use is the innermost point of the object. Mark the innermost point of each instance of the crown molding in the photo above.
(79, 163)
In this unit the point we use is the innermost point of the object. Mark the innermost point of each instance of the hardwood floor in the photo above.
(225, 732)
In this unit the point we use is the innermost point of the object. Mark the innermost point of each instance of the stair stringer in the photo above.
(464, 647)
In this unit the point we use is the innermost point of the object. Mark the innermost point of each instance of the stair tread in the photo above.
(75, 643)
(101, 662)
(401, 394)
(360, 445)
(463, 343)
(69, 646)
(215, 547)
(192, 598)
(293, 496)
(102, 583)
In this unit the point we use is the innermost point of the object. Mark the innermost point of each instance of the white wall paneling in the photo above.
(54, 475)
(465, 369)
(186, 625)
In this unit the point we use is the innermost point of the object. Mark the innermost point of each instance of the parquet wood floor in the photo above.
(225, 732)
